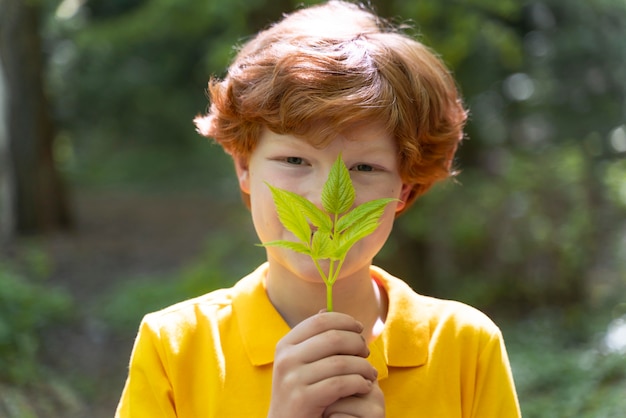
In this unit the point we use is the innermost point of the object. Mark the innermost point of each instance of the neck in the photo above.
(357, 295)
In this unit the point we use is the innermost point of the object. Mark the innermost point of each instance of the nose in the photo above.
(313, 187)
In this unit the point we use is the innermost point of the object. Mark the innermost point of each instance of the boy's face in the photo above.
(293, 164)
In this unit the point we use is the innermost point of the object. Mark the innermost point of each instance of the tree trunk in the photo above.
(34, 198)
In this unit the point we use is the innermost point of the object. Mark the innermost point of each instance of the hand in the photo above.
(319, 362)
(371, 405)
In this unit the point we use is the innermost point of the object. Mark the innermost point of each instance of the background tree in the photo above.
(34, 198)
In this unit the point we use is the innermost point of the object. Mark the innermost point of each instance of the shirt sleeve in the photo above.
(148, 391)
(495, 394)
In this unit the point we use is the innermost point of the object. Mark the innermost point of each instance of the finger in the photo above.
(333, 342)
(320, 358)
(329, 367)
(319, 323)
(330, 390)
(369, 405)
(351, 406)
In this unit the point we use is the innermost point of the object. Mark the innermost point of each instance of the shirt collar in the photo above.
(402, 343)
(260, 323)
(405, 338)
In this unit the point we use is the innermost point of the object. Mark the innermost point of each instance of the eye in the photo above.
(294, 160)
(363, 167)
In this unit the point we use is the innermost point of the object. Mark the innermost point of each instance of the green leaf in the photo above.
(373, 208)
(318, 217)
(290, 214)
(359, 223)
(330, 240)
(322, 245)
(290, 245)
(338, 192)
(352, 235)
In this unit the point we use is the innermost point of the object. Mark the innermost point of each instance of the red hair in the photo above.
(322, 69)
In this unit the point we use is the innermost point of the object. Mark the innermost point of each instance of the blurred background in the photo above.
(112, 205)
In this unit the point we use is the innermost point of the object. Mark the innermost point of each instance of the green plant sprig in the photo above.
(335, 229)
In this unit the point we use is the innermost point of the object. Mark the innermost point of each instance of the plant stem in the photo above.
(329, 297)
(329, 285)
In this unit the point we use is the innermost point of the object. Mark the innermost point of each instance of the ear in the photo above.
(404, 195)
(243, 173)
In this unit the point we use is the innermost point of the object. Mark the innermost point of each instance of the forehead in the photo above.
(321, 134)
(365, 137)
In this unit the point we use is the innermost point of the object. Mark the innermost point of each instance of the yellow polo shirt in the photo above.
(212, 357)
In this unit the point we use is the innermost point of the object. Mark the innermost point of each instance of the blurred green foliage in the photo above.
(530, 225)
(564, 372)
(220, 265)
(27, 307)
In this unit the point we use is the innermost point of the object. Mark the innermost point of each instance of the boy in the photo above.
(326, 80)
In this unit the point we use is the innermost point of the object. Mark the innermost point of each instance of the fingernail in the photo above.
(360, 325)
(322, 311)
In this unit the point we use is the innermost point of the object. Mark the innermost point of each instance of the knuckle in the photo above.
(282, 362)
(339, 364)
(333, 338)
(298, 396)
(320, 322)
(345, 385)
(279, 370)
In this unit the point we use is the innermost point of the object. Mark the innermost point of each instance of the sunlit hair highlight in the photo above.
(320, 71)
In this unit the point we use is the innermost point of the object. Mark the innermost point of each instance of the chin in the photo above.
(297, 265)
(306, 269)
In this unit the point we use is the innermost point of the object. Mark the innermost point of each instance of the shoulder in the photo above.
(213, 301)
(457, 315)
(437, 313)
(208, 310)
(190, 313)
